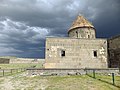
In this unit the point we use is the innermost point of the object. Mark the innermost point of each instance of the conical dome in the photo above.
(81, 28)
(80, 22)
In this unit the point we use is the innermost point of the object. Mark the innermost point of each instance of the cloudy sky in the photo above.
(24, 24)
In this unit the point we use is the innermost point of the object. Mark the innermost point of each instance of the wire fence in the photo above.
(107, 77)
(6, 72)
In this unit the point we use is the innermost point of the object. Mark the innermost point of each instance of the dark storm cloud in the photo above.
(107, 17)
(18, 39)
(25, 23)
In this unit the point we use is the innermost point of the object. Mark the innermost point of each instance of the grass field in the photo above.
(21, 65)
(17, 67)
(83, 82)
(21, 81)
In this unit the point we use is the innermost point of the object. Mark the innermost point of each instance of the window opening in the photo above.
(88, 36)
(77, 33)
(62, 53)
(95, 53)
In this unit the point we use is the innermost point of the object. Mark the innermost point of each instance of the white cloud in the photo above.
(8, 51)
(14, 35)
(13, 29)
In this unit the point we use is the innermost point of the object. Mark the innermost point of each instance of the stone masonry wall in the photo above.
(82, 33)
(79, 53)
(40, 71)
(114, 51)
(4, 61)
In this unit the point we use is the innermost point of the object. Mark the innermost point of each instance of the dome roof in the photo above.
(80, 22)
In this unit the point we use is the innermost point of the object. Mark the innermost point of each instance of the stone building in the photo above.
(4, 61)
(114, 51)
(80, 50)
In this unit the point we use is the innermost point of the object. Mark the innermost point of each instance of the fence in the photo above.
(108, 76)
(6, 72)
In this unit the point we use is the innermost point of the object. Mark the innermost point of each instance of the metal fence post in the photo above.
(3, 72)
(113, 78)
(93, 73)
(119, 65)
(86, 72)
(11, 71)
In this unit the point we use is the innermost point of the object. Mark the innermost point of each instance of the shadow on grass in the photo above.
(104, 81)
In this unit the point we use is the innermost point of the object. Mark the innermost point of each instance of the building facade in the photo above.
(80, 50)
(114, 52)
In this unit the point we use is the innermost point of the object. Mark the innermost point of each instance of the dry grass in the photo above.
(83, 82)
(21, 81)
(20, 65)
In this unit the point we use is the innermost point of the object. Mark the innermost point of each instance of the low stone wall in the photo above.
(43, 71)
(4, 61)
(107, 71)
(25, 60)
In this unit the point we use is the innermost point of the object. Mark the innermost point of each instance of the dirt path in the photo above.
(7, 84)
(20, 82)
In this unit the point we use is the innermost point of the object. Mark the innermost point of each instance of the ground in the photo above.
(21, 81)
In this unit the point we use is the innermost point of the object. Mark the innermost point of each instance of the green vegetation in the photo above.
(21, 65)
(20, 81)
(82, 82)
(106, 78)
(15, 66)
(10, 69)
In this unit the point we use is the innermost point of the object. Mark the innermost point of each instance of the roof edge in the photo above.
(81, 27)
